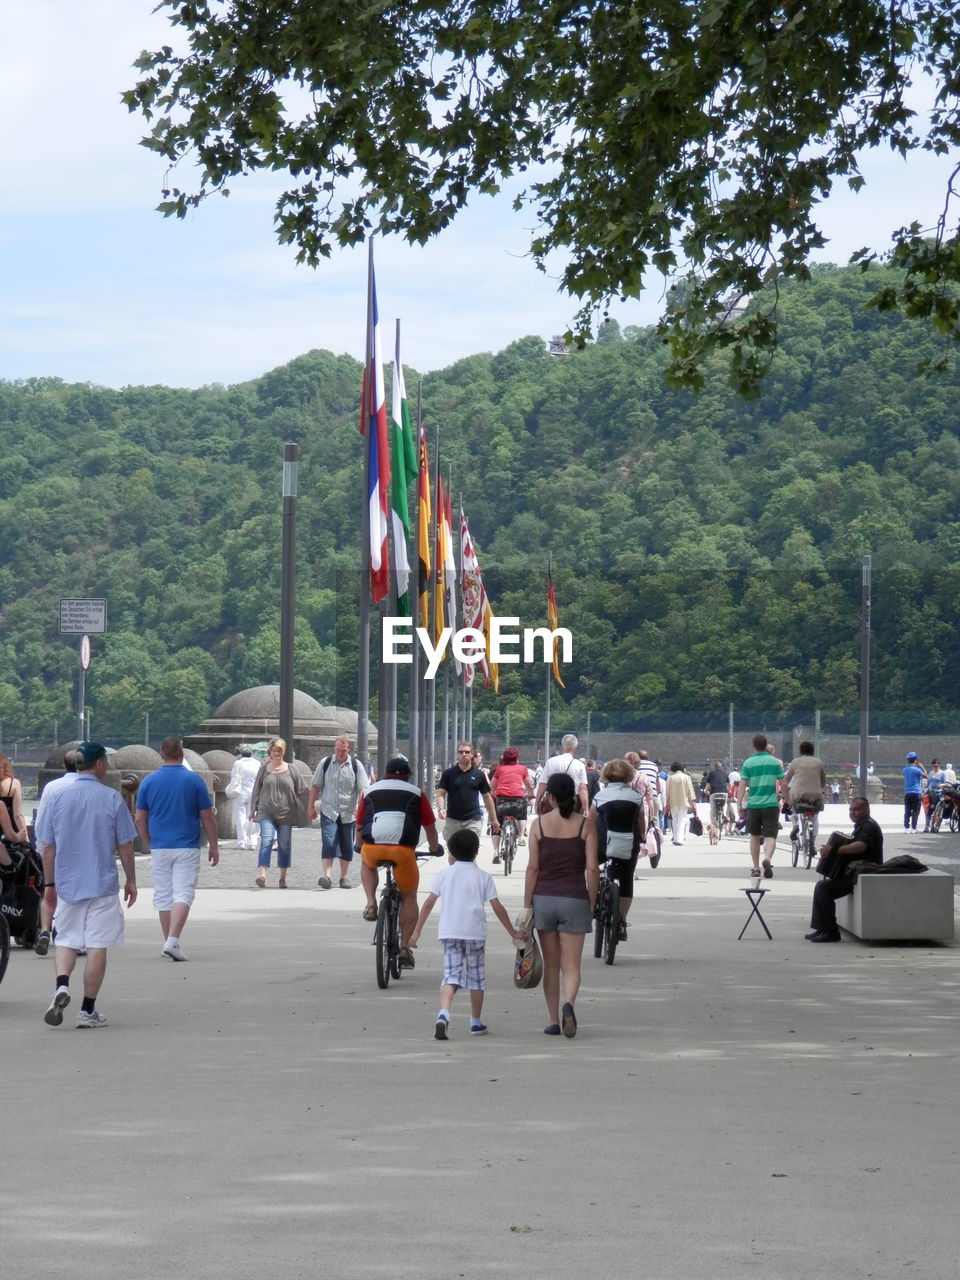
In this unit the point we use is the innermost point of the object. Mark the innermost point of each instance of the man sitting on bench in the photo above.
(865, 845)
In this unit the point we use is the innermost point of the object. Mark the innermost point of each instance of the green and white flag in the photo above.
(403, 471)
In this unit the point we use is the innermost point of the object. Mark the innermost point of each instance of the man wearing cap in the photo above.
(49, 791)
(913, 776)
(173, 803)
(389, 817)
(83, 828)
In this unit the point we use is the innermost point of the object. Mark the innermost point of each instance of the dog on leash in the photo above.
(713, 834)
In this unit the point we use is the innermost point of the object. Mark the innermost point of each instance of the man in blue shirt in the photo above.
(913, 776)
(172, 805)
(82, 830)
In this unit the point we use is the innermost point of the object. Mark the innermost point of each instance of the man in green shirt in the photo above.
(761, 778)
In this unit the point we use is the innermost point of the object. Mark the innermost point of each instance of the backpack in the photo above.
(617, 844)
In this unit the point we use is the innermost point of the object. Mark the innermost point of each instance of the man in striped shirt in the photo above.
(761, 779)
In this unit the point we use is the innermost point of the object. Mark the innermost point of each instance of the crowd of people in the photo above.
(573, 814)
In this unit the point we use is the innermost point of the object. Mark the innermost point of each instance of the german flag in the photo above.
(553, 622)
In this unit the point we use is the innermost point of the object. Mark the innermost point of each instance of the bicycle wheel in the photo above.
(4, 945)
(795, 849)
(954, 819)
(508, 845)
(937, 817)
(599, 918)
(381, 943)
(718, 810)
(611, 931)
(809, 849)
(394, 946)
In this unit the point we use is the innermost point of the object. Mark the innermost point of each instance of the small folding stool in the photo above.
(756, 897)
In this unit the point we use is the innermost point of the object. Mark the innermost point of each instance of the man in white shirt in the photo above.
(565, 762)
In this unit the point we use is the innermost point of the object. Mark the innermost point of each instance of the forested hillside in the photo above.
(706, 550)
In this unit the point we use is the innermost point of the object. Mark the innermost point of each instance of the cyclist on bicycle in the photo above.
(620, 817)
(512, 788)
(717, 782)
(389, 817)
(808, 783)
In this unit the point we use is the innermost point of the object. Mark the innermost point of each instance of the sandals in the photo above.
(261, 881)
(370, 912)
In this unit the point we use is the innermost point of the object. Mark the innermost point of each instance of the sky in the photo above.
(95, 286)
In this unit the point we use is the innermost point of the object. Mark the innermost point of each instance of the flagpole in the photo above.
(460, 722)
(546, 718)
(363, 668)
(546, 714)
(417, 693)
(432, 690)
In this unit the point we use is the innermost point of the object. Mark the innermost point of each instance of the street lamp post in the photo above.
(864, 672)
(288, 571)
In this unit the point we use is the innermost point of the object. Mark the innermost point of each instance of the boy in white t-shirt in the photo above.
(463, 890)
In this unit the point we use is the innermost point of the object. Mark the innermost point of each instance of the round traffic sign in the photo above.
(85, 652)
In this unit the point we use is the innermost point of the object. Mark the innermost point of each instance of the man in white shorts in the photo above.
(81, 831)
(173, 803)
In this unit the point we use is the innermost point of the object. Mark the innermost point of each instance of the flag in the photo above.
(552, 623)
(449, 569)
(445, 572)
(439, 564)
(403, 470)
(373, 418)
(476, 607)
(423, 527)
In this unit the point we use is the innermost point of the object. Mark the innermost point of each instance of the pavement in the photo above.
(728, 1109)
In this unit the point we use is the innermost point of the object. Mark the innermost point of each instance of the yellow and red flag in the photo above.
(553, 623)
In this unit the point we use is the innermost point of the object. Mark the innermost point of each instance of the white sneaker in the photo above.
(54, 1015)
(171, 949)
(94, 1019)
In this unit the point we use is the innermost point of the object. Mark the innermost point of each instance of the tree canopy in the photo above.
(695, 138)
(706, 550)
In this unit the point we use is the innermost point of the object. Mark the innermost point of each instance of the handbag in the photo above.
(528, 963)
(696, 825)
(233, 788)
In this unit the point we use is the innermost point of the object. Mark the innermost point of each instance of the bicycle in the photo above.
(802, 841)
(718, 811)
(606, 916)
(946, 807)
(386, 933)
(508, 843)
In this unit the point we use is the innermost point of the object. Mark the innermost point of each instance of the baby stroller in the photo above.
(21, 888)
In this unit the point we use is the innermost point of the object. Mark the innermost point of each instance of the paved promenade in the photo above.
(728, 1109)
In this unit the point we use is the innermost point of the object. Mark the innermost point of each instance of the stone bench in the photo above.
(907, 906)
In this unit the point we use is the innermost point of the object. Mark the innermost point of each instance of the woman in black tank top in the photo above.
(561, 887)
